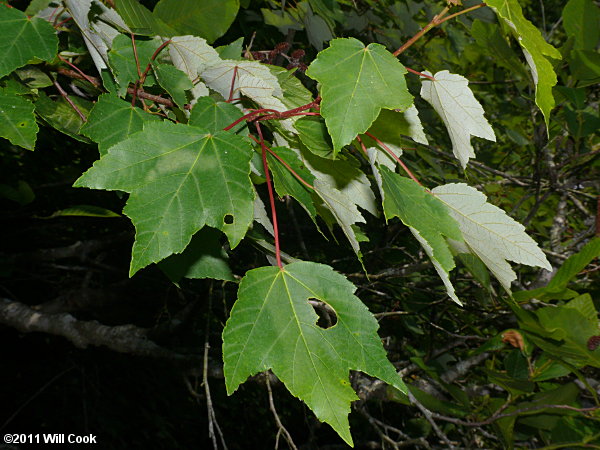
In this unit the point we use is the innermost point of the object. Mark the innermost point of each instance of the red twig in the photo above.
(393, 155)
(152, 58)
(247, 117)
(420, 73)
(139, 71)
(437, 20)
(235, 71)
(271, 195)
(62, 22)
(362, 145)
(286, 165)
(135, 55)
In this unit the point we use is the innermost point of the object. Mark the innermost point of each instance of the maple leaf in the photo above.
(180, 178)
(490, 233)
(17, 121)
(112, 120)
(24, 39)
(462, 114)
(535, 49)
(273, 326)
(356, 83)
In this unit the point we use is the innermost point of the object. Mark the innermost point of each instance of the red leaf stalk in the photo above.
(271, 195)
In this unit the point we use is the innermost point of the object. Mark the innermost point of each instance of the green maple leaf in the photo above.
(174, 81)
(113, 120)
(536, 51)
(123, 63)
(272, 326)
(214, 116)
(17, 121)
(180, 178)
(24, 39)
(356, 83)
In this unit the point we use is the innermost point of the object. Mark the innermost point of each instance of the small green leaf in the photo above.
(113, 120)
(294, 92)
(17, 121)
(287, 184)
(209, 19)
(214, 116)
(174, 81)
(356, 83)
(232, 51)
(272, 326)
(204, 257)
(181, 178)
(61, 115)
(24, 39)
(569, 270)
(123, 61)
(84, 211)
(313, 134)
(535, 49)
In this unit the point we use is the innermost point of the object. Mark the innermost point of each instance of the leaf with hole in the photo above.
(180, 178)
(273, 326)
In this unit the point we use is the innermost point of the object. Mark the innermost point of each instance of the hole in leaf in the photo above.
(228, 219)
(327, 315)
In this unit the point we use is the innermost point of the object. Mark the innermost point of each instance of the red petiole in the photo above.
(393, 155)
(286, 165)
(271, 194)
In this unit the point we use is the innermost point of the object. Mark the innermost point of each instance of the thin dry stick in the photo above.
(280, 428)
(212, 418)
(429, 416)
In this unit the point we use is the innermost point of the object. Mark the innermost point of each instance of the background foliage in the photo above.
(499, 371)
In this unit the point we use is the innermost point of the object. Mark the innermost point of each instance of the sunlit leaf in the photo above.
(112, 120)
(180, 178)
(272, 326)
(356, 83)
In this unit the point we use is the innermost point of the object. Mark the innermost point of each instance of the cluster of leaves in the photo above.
(193, 131)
